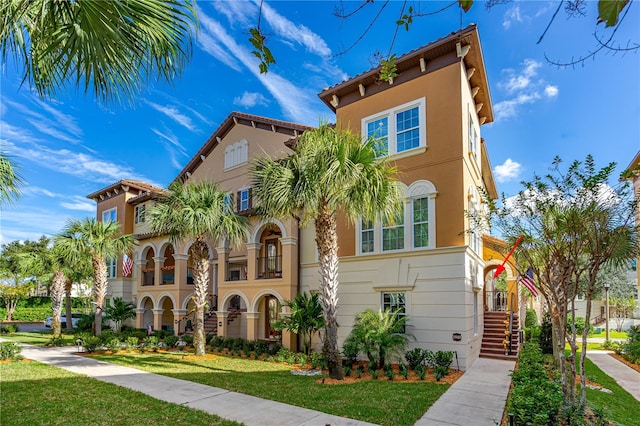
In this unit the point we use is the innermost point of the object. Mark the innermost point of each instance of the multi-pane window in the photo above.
(420, 222)
(474, 231)
(379, 131)
(473, 137)
(109, 215)
(111, 267)
(140, 213)
(397, 130)
(395, 302)
(366, 237)
(393, 233)
(413, 226)
(244, 199)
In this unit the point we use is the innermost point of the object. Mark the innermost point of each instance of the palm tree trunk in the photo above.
(201, 284)
(327, 242)
(67, 290)
(99, 290)
(57, 291)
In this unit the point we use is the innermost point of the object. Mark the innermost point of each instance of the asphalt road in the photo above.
(31, 326)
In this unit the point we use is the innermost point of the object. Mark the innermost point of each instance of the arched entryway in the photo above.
(269, 308)
(148, 267)
(146, 306)
(166, 317)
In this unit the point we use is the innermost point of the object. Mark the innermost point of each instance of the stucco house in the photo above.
(433, 263)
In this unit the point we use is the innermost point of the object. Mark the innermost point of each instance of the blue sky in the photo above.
(70, 147)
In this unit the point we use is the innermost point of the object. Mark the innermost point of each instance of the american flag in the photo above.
(529, 283)
(127, 265)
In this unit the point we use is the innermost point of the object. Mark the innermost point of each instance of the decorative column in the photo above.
(157, 273)
(223, 258)
(178, 325)
(157, 319)
(180, 273)
(140, 317)
(137, 272)
(222, 322)
(252, 259)
(252, 325)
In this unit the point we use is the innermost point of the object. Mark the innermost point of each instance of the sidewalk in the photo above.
(477, 398)
(625, 376)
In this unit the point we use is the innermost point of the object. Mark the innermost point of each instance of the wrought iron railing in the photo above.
(497, 301)
(269, 267)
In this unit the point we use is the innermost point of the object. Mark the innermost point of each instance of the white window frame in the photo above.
(236, 154)
(140, 213)
(391, 115)
(112, 267)
(110, 215)
(402, 295)
(475, 231)
(417, 190)
(473, 135)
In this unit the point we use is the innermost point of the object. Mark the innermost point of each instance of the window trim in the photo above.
(112, 267)
(404, 305)
(392, 133)
(140, 214)
(112, 212)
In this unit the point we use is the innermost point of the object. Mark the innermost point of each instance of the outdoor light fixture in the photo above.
(79, 343)
(457, 337)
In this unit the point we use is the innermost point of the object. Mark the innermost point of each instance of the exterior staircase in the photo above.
(211, 321)
(496, 327)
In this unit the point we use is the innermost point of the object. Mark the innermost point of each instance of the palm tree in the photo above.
(305, 317)
(330, 170)
(100, 241)
(10, 179)
(111, 47)
(198, 211)
(120, 311)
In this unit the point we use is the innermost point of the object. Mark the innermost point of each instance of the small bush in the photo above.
(274, 348)
(9, 328)
(546, 335)
(317, 360)
(151, 343)
(404, 371)
(56, 341)
(439, 372)
(188, 339)
(91, 343)
(350, 353)
(262, 347)
(415, 357)
(421, 371)
(114, 345)
(131, 342)
(171, 341)
(359, 371)
(443, 359)
(302, 359)
(347, 370)
(10, 350)
(531, 319)
(217, 343)
(632, 346)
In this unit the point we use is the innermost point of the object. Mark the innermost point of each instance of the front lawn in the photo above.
(38, 338)
(380, 401)
(39, 394)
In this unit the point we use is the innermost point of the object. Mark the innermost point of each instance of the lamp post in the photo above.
(606, 310)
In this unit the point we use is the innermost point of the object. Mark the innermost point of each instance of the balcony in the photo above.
(148, 277)
(269, 267)
(168, 275)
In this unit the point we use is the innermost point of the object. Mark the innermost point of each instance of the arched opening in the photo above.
(166, 304)
(270, 309)
(270, 255)
(169, 267)
(236, 322)
(147, 316)
(148, 270)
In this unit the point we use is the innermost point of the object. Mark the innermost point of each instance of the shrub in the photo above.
(546, 335)
(632, 346)
(302, 359)
(171, 341)
(10, 350)
(283, 355)
(440, 371)
(188, 339)
(350, 353)
(208, 338)
(261, 347)
(91, 343)
(359, 371)
(421, 371)
(9, 328)
(443, 359)
(580, 324)
(56, 341)
(404, 371)
(131, 342)
(390, 374)
(347, 370)
(114, 345)
(274, 348)
(317, 360)
(151, 343)
(415, 357)
(217, 343)
(531, 319)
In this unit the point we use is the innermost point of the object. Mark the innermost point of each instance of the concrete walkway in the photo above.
(477, 398)
(624, 375)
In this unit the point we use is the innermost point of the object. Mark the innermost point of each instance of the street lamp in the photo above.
(606, 310)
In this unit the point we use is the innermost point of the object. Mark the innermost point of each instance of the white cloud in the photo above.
(172, 145)
(293, 32)
(509, 170)
(238, 12)
(80, 204)
(213, 48)
(250, 99)
(35, 190)
(551, 91)
(294, 101)
(511, 15)
(173, 113)
(49, 121)
(524, 86)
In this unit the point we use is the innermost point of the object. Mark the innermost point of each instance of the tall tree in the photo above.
(110, 47)
(100, 241)
(330, 171)
(10, 180)
(200, 211)
(573, 224)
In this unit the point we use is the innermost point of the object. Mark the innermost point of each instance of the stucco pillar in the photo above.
(137, 272)
(223, 257)
(180, 273)
(289, 261)
(222, 322)
(252, 325)
(252, 258)
(140, 317)
(157, 272)
(289, 340)
(157, 319)
(178, 324)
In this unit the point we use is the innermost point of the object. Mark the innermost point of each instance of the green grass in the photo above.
(381, 402)
(612, 334)
(39, 394)
(619, 406)
(37, 338)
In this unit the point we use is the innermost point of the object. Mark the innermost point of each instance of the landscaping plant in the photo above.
(10, 350)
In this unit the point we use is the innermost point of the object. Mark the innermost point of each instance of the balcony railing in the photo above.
(497, 301)
(269, 267)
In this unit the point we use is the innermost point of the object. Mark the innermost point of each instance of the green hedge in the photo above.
(45, 302)
(27, 314)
